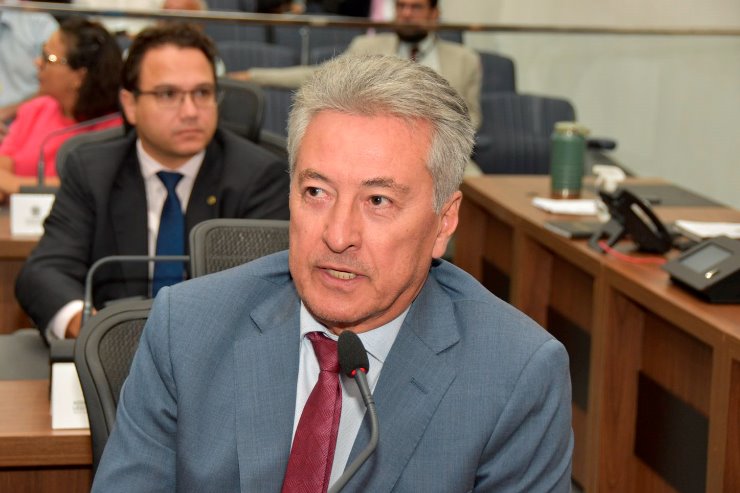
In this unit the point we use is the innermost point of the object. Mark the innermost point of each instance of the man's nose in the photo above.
(344, 228)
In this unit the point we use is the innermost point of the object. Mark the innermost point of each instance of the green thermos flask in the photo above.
(567, 151)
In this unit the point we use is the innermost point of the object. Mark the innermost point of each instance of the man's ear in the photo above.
(447, 224)
(128, 104)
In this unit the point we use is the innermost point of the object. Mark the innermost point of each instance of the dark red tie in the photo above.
(312, 455)
(414, 52)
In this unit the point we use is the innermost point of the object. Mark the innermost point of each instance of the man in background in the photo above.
(235, 384)
(458, 64)
(142, 193)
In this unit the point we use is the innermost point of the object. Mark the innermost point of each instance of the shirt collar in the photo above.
(150, 167)
(424, 46)
(377, 341)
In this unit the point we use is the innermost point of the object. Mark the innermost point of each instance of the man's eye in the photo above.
(379, 200)
(314, 191)
(203, 93)
(167, 94)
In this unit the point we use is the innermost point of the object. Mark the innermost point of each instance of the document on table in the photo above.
(581, 207)
(700, 230)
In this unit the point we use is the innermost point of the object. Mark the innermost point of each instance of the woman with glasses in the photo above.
(79, 70)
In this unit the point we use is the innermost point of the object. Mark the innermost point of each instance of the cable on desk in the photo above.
(627, 258)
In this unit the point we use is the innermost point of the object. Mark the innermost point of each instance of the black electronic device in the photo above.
(710, 269)
(631, 216)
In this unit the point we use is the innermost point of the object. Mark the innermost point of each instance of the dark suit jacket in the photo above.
(101, 210)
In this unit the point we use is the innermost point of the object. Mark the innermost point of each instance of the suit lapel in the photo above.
(450, 66)
(128, 215)
(205, 197)
(266, 353)
(415, 377)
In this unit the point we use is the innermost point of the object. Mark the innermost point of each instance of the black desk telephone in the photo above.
(631, 216)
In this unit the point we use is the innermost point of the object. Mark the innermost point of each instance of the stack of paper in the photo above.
(700, 230)
(581, 207)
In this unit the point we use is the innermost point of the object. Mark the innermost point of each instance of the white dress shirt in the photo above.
(378, 343)
(156, 194)
(428, 54)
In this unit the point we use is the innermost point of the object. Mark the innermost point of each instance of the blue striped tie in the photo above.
(171, 236)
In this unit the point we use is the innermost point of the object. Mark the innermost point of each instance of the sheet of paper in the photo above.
(67, 403)
(581, 207)
(707, 229)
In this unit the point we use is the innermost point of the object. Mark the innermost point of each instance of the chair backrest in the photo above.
(218, 244)
(220, 31)
(277, 108)
(103, 354)
(515, 133)
(239, 55)
(242, 108)
(322, 54)
(73, 142)
(498, 73)
(242, 56)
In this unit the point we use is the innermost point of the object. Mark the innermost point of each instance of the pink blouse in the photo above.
(34, 122)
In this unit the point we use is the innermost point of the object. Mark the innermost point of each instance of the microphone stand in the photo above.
(87, 303)
(41, 163)
(367, 396)
(354, 363)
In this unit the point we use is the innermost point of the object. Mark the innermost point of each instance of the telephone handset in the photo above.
(632, 216)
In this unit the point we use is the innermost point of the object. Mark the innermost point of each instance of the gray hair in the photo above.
(371, 85)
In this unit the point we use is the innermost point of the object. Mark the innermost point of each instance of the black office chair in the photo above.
(243, 56)
(73, 142)
(103, 354)
(499, 74)
(218, 244)
(242, 108)
(514, 137)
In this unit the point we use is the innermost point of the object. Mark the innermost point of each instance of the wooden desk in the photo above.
(33, 457)
(655, 371)
(13, 252)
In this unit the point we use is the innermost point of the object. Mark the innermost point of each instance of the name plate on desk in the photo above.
(67, 402)
(28, 211)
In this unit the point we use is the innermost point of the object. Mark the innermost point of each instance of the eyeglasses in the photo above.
(51, 59)
(172, 97)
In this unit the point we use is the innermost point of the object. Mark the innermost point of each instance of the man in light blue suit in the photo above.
(471, 395)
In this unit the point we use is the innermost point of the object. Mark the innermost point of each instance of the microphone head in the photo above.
(352, 354)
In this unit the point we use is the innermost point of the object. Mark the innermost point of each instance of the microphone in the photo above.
(354, 363)
(41, 163)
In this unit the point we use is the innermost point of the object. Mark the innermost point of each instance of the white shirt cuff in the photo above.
(57, 327)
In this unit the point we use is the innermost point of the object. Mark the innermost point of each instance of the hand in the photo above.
(73, 327)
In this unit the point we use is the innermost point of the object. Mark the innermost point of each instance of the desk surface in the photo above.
(511, 196)
(13, 247)
(26, 437)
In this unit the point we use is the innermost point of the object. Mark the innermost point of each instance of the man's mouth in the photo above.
(338, 274)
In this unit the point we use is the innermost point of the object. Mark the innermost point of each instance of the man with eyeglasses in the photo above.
(458, 64)
(141, 193)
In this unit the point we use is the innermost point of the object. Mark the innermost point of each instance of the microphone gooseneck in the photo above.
(354, 363)
(41, 163)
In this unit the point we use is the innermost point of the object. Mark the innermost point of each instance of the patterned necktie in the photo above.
(414, 52)
(171, 236)
(312, 455)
